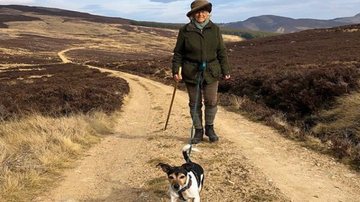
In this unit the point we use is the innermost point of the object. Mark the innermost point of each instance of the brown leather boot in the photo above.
(209, 131)
(198, 136)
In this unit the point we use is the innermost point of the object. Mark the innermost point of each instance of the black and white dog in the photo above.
(186, 180)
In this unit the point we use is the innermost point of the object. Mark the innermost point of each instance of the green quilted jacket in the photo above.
(193, 47)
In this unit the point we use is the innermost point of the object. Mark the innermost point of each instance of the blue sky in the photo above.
(223, 10)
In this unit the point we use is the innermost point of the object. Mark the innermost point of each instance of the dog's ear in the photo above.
(165, 167)
(187, 166)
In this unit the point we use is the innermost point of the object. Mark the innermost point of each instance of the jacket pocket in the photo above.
(214, 68)
(189, 71)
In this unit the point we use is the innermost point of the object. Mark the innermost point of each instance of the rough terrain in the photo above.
(251, 162)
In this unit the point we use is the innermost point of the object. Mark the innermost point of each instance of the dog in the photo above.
(186, 180)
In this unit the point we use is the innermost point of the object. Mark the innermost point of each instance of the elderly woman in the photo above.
(201, 53)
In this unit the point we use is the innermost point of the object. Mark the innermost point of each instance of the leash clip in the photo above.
(202, 66)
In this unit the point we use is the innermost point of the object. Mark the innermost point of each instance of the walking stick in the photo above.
(172, 99)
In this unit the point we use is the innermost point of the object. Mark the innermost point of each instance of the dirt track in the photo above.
(251, 162)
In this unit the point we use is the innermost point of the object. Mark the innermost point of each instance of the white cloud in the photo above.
(152, 11)
(232, 10)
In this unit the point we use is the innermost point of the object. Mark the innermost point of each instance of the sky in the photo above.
(174, 11)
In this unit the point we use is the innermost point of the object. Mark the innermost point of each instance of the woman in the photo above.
(201, 53)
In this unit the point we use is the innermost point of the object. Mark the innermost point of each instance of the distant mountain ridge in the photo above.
(11, 13)
(263, 23)
(66, 13)
(279, 24)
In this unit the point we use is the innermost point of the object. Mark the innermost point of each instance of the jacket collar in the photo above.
(191, 27)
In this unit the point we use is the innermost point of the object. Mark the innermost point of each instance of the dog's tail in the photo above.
(186, 150)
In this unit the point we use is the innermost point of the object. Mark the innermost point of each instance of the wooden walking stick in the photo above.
(172, 99)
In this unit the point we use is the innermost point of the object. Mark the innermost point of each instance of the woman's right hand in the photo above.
(177, 78)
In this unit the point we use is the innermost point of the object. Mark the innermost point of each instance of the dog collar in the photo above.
(184, 189)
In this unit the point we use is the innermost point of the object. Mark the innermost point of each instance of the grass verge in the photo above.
(339, 127)
(36, 149)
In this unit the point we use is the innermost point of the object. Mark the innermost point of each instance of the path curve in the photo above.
(63, 57)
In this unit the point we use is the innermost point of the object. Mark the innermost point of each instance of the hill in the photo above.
(279, 24)
(63, 13)
(12, 13)
(253, 27)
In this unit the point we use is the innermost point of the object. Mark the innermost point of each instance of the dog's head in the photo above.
(177, 175)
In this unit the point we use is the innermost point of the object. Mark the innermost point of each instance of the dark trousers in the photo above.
(208, 97)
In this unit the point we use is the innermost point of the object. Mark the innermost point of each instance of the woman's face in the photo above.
(201, 16)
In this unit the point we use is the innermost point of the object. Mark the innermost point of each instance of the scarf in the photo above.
(200, 25)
